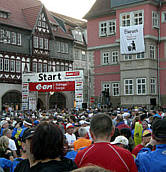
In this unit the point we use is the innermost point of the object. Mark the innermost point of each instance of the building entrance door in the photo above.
(57, 100)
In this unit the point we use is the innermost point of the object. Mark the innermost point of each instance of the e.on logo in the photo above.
(43, 87)
(77, 73)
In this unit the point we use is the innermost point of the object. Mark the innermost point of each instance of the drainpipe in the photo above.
(158, 57)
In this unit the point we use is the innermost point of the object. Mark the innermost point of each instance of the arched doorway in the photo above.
(40, 104)
(12, 99)
(57, 100)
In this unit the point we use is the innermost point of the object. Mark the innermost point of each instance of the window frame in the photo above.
(6, 65)
(12, 66)
(115, 88)
(128, 85)
(153, 84)
(142, 55)
(127, 57)
(107, 61)
(155, 19)
(152, 52)
(18, 66)
(115, 57)
(35, 42)
(141, 84)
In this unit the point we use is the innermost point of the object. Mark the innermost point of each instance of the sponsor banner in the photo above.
(53, 76)
(79, 85)
(33, 100)
(25, 106)
(132, 39)
(52, 86)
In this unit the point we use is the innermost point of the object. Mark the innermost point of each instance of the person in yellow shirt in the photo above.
(82, 142)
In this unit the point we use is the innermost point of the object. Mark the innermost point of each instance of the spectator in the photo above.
(102, 153)
(4, 125)
(24, 165)
(70, 136)
(82, 142)
(12, 146)
(121, 141)
(146, 136)
(48, 150)
(148, 160)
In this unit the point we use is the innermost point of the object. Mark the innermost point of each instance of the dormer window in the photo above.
(3, 14)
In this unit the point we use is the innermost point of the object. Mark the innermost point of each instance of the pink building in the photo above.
(129, 79)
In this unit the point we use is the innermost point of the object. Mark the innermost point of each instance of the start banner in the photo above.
(52, 86)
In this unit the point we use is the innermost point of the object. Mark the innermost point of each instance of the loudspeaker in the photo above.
(84, 105)
(153, 101)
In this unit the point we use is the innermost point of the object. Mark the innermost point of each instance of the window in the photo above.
(6, 65)
(39, 67)
(46, 44)
(34, 67)
(62, 47)
(111, 27)
(49, 67)
(164, 17)
(138, 17)
(35, 42)
(83, 55)
(18, 39)
(106, 58)
(141, 86)
(3, 15)
(13, 38)
(41, 43)
(18, 66)
(153, 86)
(152, 52)
(140, 55)
(132, 18)
(128, 86)
(128, 57)
(125, 20)
(107, 28)
(7, 36)
(155, 19)
(76, 52)
(106, 87)
(115, 89)
(115, 57)
(66, 48)
(58, 46)
(44, 67)
(12, 66)
(1, 63)
(1, 35)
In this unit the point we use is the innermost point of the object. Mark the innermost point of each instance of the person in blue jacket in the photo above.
(150, 160)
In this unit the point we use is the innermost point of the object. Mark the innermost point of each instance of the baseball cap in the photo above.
(159, 128)
(3, 122)
(120, 140)
(146, 133)
(28, 133)
(28, 122)
(69, 126)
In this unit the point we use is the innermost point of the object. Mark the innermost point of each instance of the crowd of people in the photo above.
(91, 140)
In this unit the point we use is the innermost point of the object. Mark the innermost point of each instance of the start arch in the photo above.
(12, 99)
(57, 100)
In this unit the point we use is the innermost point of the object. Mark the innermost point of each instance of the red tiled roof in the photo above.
(15, 7)
(31, 15)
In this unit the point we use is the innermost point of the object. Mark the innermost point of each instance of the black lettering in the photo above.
(40, 76)
(59, 76)
(49, 77)
(45, 77)
(54, 76)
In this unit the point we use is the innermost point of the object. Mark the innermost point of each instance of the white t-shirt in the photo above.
(12, 145)
(70, 138)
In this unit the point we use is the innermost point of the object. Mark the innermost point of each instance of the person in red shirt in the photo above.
(146, 136)
(102, 153)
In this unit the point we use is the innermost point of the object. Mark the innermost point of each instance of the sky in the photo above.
(73, 8)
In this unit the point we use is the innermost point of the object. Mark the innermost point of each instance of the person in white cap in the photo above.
(4, 125)
(70, 136)
(121, 141)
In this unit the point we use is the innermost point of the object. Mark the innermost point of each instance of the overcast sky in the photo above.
(73, 8)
